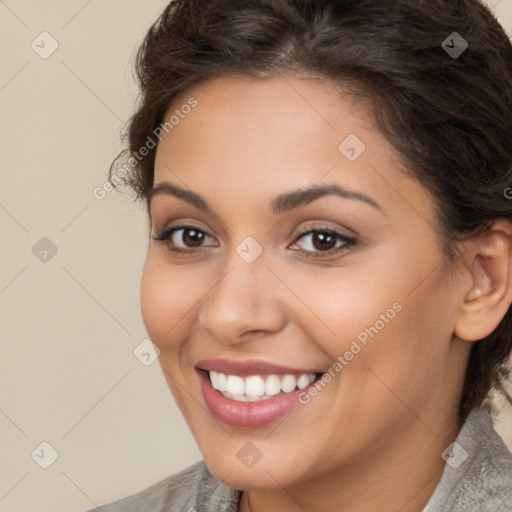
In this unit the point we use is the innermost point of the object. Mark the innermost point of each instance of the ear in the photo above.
(485, 303)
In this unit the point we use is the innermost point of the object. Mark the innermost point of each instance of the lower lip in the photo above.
(247, 414)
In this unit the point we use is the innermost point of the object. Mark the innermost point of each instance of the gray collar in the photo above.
(478, 470)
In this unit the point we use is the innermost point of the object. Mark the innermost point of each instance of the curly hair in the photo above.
(448, 115)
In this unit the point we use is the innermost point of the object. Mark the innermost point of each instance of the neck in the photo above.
(402, 473)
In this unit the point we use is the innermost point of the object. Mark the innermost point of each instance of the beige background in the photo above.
(70, 324)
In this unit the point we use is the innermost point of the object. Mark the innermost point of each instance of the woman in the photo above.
(329, 270)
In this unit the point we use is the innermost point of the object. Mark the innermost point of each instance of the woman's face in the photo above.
(349, 284)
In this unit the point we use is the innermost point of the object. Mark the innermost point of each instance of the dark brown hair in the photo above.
(448, 115)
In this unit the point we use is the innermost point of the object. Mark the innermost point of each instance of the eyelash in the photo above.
(348, 243)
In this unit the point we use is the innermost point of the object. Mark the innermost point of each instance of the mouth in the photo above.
(252, 394)
(254, 388)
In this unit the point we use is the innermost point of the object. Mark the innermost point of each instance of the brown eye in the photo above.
(191, 237)
(322, 242)
(183, 238)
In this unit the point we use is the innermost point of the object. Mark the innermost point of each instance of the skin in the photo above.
(373, 437)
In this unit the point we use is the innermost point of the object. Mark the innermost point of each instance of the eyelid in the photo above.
(180, 218)
(348, 242)
(164, 234)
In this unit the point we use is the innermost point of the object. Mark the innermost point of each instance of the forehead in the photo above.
(260, 136)
(291, 107)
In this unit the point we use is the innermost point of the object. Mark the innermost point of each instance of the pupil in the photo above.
(324, 238)
(194, 239)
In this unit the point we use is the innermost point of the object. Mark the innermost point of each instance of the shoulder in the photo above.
(487, 485)
(192, 489)
(480, 477)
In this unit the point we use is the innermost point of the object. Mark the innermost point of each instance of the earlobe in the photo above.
(489, 261)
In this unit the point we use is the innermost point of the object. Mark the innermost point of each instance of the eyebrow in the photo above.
(280, 204)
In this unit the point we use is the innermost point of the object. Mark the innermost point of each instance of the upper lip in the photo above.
(249, 367)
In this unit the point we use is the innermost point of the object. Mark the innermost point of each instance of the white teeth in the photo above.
(254, 386)
(243, 398)
(257, 387)
(221, 382)
(303, 381)
(235, 385)
(288, 383)
(214, 377)
(272, 385)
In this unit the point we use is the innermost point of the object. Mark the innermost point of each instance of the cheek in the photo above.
(404, 360)
(378, 315)
(167, 296)
(347, 305)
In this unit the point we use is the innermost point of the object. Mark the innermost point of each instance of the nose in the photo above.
(244, 303)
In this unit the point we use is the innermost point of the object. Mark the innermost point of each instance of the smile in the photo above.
(253, 393)
(258, 387)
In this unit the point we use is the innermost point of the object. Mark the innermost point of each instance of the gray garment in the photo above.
(483, 481)
(477, 477)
